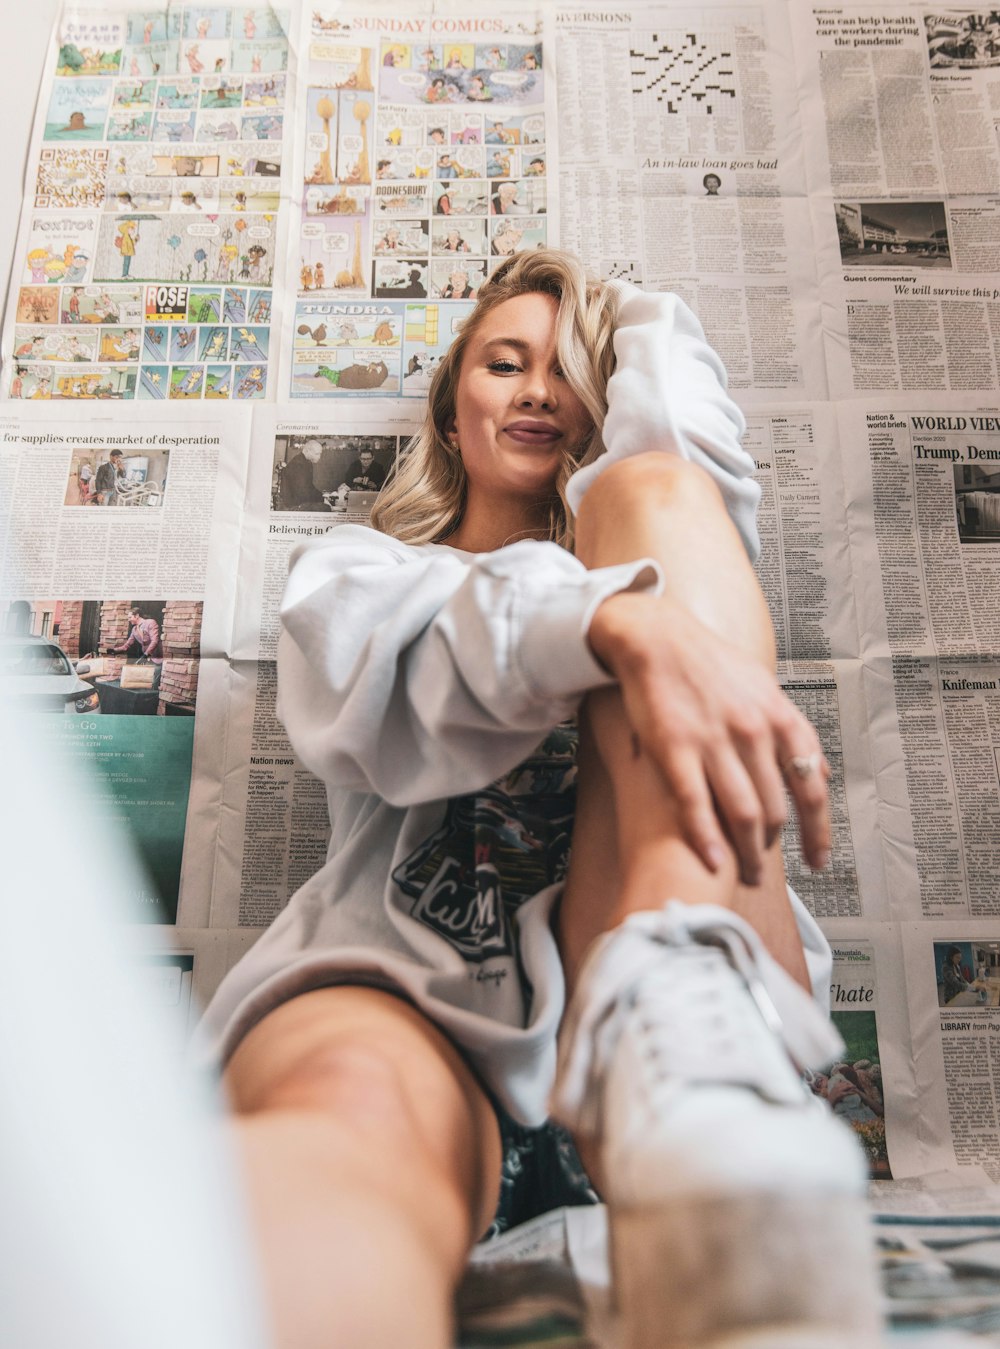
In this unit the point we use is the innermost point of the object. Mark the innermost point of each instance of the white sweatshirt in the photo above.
(416, 672)
(411, 680)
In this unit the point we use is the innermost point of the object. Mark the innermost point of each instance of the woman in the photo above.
(454, 243)
(954, 984)
(390, 241)
(458, 287)
(391, 1041)
(504, 200)
(506, 238)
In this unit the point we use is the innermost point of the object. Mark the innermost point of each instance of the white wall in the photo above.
(24, 33)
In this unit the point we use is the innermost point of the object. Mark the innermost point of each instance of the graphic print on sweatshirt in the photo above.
(495, 849)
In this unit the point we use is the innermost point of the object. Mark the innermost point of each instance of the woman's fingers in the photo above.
(753, 733)
(684, 772)
(780, 748)
(721, 731)
(739, 805)
(806, 772)
(727, 771)
(806, 775)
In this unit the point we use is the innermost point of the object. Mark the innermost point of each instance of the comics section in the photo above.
(424, 162)
(146, 254)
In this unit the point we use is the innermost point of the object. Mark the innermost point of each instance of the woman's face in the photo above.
(507, 242)
(515, 414)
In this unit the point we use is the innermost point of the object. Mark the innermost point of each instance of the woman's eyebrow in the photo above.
(518, 342)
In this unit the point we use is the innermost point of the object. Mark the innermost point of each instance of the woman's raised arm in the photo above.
(668, 392)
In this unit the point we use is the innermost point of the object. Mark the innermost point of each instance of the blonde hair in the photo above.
(424, 498)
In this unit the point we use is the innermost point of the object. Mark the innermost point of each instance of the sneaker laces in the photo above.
(708, 1002)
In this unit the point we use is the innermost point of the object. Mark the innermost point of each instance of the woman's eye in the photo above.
(504, 367)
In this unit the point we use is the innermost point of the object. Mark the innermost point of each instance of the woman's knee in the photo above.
(369, 1068)
(653, 482)
(348, 1079)
(338, 1047)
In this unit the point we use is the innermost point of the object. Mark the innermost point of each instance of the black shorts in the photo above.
(541, 1171)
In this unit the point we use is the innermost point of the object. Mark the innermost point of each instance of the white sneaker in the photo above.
(736, 1199)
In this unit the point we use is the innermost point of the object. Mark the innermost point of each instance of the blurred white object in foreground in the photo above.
(121, 1222)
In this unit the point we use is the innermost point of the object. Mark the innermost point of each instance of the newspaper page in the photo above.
(149, 238)
(307, 476)
(117, 592)
(910, 298)
(425, 153)
(681, 168)
(805, 573)
(867, 994)
(900, 101)
(900, 114)
(953, 977)
(924, 513)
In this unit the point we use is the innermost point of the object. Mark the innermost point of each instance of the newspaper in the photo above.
(822, 184)
(682, 168)
(145, 261)
(426, 152)
(900, 118)
(116, 606)
(274, 826)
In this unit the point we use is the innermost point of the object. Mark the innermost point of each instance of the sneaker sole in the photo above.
(701, 1271)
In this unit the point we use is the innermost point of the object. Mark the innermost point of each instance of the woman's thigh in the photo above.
(396, 1093)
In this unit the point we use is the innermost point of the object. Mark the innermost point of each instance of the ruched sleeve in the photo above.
(421, 672)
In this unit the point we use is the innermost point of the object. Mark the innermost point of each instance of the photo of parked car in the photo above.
(36, 675)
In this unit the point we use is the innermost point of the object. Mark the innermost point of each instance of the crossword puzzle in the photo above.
(618, 269)
(676, 68)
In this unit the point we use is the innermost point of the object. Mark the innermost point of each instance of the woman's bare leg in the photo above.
(372, 1159)
(628, 849)
(690, 1119)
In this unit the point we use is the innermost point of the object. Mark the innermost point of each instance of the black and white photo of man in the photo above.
(365, 473)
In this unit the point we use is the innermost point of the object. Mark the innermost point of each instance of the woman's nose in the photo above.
(538, 390)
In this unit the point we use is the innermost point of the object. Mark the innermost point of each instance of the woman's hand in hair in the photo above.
(719, 728)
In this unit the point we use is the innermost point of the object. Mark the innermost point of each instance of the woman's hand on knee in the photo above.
(719, 728)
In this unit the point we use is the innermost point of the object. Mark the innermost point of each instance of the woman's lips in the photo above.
(533, 433)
